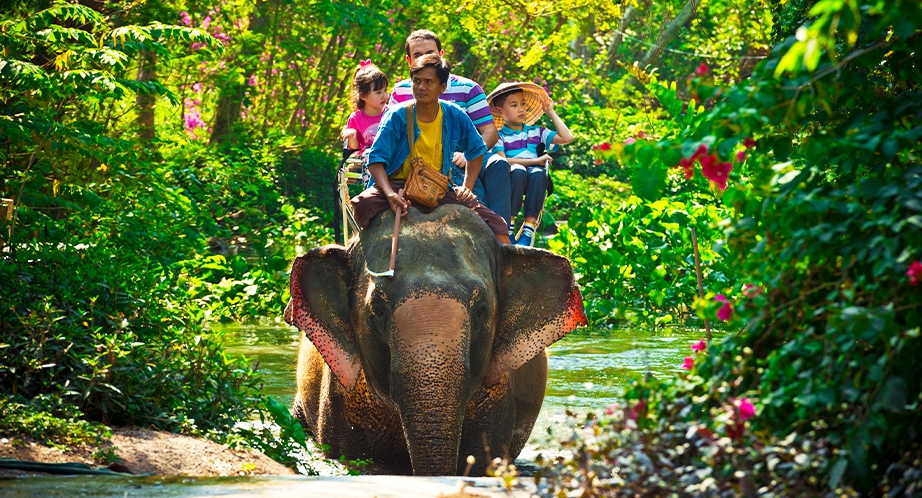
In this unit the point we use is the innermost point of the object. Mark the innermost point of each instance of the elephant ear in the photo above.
(319, 307)
(539, 302)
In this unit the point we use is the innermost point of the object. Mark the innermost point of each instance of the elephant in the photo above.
(444, 360)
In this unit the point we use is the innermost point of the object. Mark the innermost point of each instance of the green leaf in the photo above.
(648, 183)
(835, 475)
(647, 155)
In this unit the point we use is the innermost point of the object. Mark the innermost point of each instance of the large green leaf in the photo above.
(648, 183)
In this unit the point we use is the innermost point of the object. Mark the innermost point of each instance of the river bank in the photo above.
(144, 451)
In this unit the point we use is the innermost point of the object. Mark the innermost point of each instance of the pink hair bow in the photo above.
(364, 63)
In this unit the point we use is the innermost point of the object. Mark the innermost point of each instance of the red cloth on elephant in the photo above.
(372, 201)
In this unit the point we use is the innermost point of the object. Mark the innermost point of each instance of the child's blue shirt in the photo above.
(524, 143)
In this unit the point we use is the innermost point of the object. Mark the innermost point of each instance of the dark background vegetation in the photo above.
(167, 160)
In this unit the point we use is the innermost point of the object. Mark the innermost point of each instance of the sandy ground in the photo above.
(147, 451)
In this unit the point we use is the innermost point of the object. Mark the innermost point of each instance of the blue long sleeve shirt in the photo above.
(458, 133)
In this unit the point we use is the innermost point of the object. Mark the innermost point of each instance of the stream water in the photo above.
(589, 369)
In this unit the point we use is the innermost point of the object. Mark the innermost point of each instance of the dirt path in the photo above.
(146, 451)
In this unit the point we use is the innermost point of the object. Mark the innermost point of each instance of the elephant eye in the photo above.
(479, 317)
(379, 317)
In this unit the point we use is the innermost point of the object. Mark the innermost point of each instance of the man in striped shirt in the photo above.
(493, 186)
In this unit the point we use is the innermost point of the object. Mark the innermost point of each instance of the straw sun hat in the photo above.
(535, 99)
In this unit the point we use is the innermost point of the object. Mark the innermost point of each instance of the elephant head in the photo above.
(461, 312)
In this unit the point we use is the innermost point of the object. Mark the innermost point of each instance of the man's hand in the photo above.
(464, 194)
(459, 160)
(398, 204)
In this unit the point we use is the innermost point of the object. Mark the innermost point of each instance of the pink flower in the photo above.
(701, 151)
(699, 346)
(741, 156)
(185, 19)
(745, 408)
(725, 312)
(634, 412)
(751, 291)
(605, 146)
(630, 140)
(610, 409)
(702, 69)
(688, 363)
(749, 143)
(716, 171)
(641, 134)
(197, 88)
(252, 80)
(914, 273)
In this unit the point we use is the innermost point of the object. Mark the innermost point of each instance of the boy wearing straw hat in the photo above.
(516, 107)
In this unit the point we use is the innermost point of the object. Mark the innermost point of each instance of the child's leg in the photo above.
(535, 189)
(518, 178)
(535, 193)
(495, 176)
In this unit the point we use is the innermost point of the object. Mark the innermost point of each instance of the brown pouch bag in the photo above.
(426, 185)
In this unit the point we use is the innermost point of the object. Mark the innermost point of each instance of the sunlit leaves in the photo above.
(63, 12)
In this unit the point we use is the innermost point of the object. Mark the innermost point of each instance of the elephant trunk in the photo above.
(433, 435)
(430, 379)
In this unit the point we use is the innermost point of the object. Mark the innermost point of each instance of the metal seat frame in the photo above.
(349, 173)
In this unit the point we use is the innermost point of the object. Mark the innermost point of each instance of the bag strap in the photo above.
(411, 131)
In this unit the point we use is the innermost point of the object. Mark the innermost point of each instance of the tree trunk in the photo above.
(231, 99)
(147, 70)
(629, 15)
(671, 32)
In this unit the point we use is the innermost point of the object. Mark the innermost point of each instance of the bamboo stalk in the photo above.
(707, 323)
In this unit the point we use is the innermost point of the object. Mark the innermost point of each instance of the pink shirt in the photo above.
(367, 127)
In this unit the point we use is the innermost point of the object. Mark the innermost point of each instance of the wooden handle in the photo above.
(396, 233)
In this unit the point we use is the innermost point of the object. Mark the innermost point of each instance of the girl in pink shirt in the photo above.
(369, 97)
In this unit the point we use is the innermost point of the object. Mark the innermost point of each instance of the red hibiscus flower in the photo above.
(914, 273)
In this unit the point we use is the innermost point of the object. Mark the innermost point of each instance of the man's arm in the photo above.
(489, 133)
(398, 204)
(471, 172)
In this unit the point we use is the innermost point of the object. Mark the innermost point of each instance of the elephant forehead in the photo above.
(431, 321)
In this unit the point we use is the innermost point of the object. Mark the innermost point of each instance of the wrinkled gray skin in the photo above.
(445, 360)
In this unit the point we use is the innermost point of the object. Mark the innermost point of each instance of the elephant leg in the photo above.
(309, 379)
(499, 419)
(354, 424)
(527, 385)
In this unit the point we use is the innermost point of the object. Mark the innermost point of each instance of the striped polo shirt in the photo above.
(460, 90)
(524, 143)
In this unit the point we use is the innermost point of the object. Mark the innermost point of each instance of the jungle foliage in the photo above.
(816, 160)
(167, 160)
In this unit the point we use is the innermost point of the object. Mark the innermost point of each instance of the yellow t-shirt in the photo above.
(428, 147)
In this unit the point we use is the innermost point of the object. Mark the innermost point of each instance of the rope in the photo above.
(693, 54)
